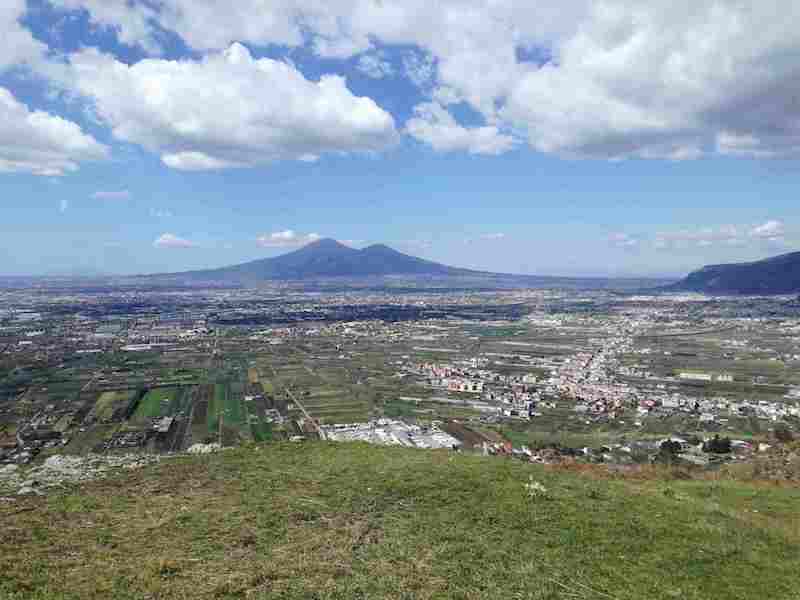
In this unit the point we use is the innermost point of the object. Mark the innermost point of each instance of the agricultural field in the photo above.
(156, 403)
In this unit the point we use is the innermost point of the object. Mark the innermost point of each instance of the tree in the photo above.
(717, 445)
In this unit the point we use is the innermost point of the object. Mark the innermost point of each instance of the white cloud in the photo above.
(657, 80)
(131, 21)
(375, 66)
(19, 46)
(614, 78)
(419, 68)
(771, 230)
(436, 127)
(707, 236)
(229, 109)
(622, 240)
(487, 237)
(170, 240)
(120, 195)
(160, 213)
(287, 238)
(730, 235)
(40, 143)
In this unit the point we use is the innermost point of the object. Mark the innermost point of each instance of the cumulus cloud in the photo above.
(613, 78)
(771, 230)
(40, 143)
(120, 195)
(286, 238)
(19, 46)
(228, 109)
(133, 22)
(375, 66)
(433, 125)
(656, 80)
(170, 240)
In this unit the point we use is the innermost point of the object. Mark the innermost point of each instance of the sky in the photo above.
(606, 137)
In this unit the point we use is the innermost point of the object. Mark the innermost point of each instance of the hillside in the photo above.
(775, 275)
(318, 520)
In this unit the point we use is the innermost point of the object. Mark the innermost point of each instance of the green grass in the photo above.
(321, 520)
(151, 405)
(262, 432)
(215, 406)
(227, 404)
(108, 401)
(235, 415)
(104, 406)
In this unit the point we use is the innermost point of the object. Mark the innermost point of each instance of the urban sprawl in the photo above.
(541, 375)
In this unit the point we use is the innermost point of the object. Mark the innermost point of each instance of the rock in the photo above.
(203, 448)
(27, 491)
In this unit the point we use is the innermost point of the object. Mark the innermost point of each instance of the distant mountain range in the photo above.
(775, 275)
(327, 259)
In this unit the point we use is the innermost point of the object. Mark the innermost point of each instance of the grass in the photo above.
(216, 405)
(233, 409)
(345, 521)
(151, 405)
(108, 401)
(262, 431)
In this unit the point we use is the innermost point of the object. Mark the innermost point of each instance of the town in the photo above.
(528, 373)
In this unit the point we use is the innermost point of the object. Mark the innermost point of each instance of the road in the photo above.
(302, 408)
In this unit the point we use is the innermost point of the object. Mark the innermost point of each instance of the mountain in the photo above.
(327, 258)
(775, 275)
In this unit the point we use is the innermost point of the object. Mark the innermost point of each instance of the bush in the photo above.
(717, 445)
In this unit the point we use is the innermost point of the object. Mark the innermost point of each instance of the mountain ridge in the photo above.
(768, 276)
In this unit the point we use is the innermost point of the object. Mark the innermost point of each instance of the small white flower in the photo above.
(535, 489)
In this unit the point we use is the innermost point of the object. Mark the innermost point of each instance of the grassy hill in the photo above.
(348, 521)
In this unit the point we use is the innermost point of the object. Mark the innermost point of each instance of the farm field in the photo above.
(156, 403)
(108, 402)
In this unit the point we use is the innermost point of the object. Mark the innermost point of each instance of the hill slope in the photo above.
(320, 520)
(775, 275)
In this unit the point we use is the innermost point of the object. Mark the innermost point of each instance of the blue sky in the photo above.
(594, 140)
